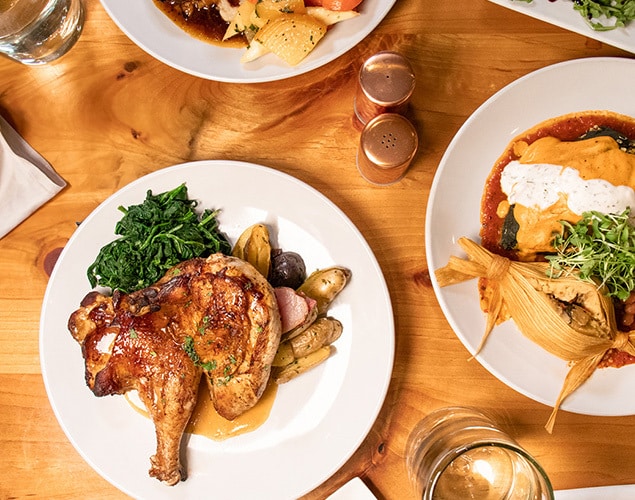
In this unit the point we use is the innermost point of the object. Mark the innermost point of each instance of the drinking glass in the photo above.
(39, 31)
(459, 452)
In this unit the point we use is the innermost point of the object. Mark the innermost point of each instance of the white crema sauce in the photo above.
(540, 185)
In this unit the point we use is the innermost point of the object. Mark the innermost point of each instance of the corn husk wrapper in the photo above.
(533, 299)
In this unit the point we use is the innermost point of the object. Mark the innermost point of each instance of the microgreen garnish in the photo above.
(600, 247)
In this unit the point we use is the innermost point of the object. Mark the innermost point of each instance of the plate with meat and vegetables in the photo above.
(538, 210)
(604, 20)
(195, 337)
(245, 41)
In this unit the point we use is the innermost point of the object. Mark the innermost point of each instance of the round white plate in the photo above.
(154, 32)
(454, 209)
(317, 421)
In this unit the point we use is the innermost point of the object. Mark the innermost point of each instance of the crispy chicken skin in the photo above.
(216, 316)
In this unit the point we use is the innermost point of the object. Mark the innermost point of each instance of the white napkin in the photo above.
(27, 180)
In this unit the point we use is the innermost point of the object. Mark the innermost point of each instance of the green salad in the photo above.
(604, 15)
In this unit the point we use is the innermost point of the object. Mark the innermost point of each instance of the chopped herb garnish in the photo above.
(190, 350)
(209, 366)
(224, 380)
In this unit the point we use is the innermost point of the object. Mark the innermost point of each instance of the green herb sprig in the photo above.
(154, 236)
(601, 248)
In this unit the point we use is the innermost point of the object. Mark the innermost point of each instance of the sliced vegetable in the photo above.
(291, 36)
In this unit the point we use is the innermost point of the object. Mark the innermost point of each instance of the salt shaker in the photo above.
(386, 82)
(387, 145)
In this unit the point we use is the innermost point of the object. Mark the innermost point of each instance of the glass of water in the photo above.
(459, 452)
(39, 31)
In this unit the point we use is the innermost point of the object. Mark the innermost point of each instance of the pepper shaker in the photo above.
(387, 145)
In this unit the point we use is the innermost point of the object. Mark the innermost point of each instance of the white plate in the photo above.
(562, 14)
(355, 489)
(317, 421)
(154, 32)
(619, 492)
(454, 208)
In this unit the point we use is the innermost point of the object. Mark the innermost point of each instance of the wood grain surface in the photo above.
(108, 113)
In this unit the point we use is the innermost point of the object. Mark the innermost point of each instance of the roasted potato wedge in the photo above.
(258, 249)
(284, 356)
(324, 331)
(253, 245)
(301, 365)
(324, 285)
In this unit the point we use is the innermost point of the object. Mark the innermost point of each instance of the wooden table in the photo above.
(108, 113)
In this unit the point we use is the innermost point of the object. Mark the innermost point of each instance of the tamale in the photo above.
(569, 317)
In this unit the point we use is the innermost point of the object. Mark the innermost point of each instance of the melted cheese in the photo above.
(554, 180)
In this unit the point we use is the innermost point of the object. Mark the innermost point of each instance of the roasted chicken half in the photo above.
(216, 316)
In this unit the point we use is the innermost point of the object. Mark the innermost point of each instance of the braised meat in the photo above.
(190, 8)
(217, 316)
